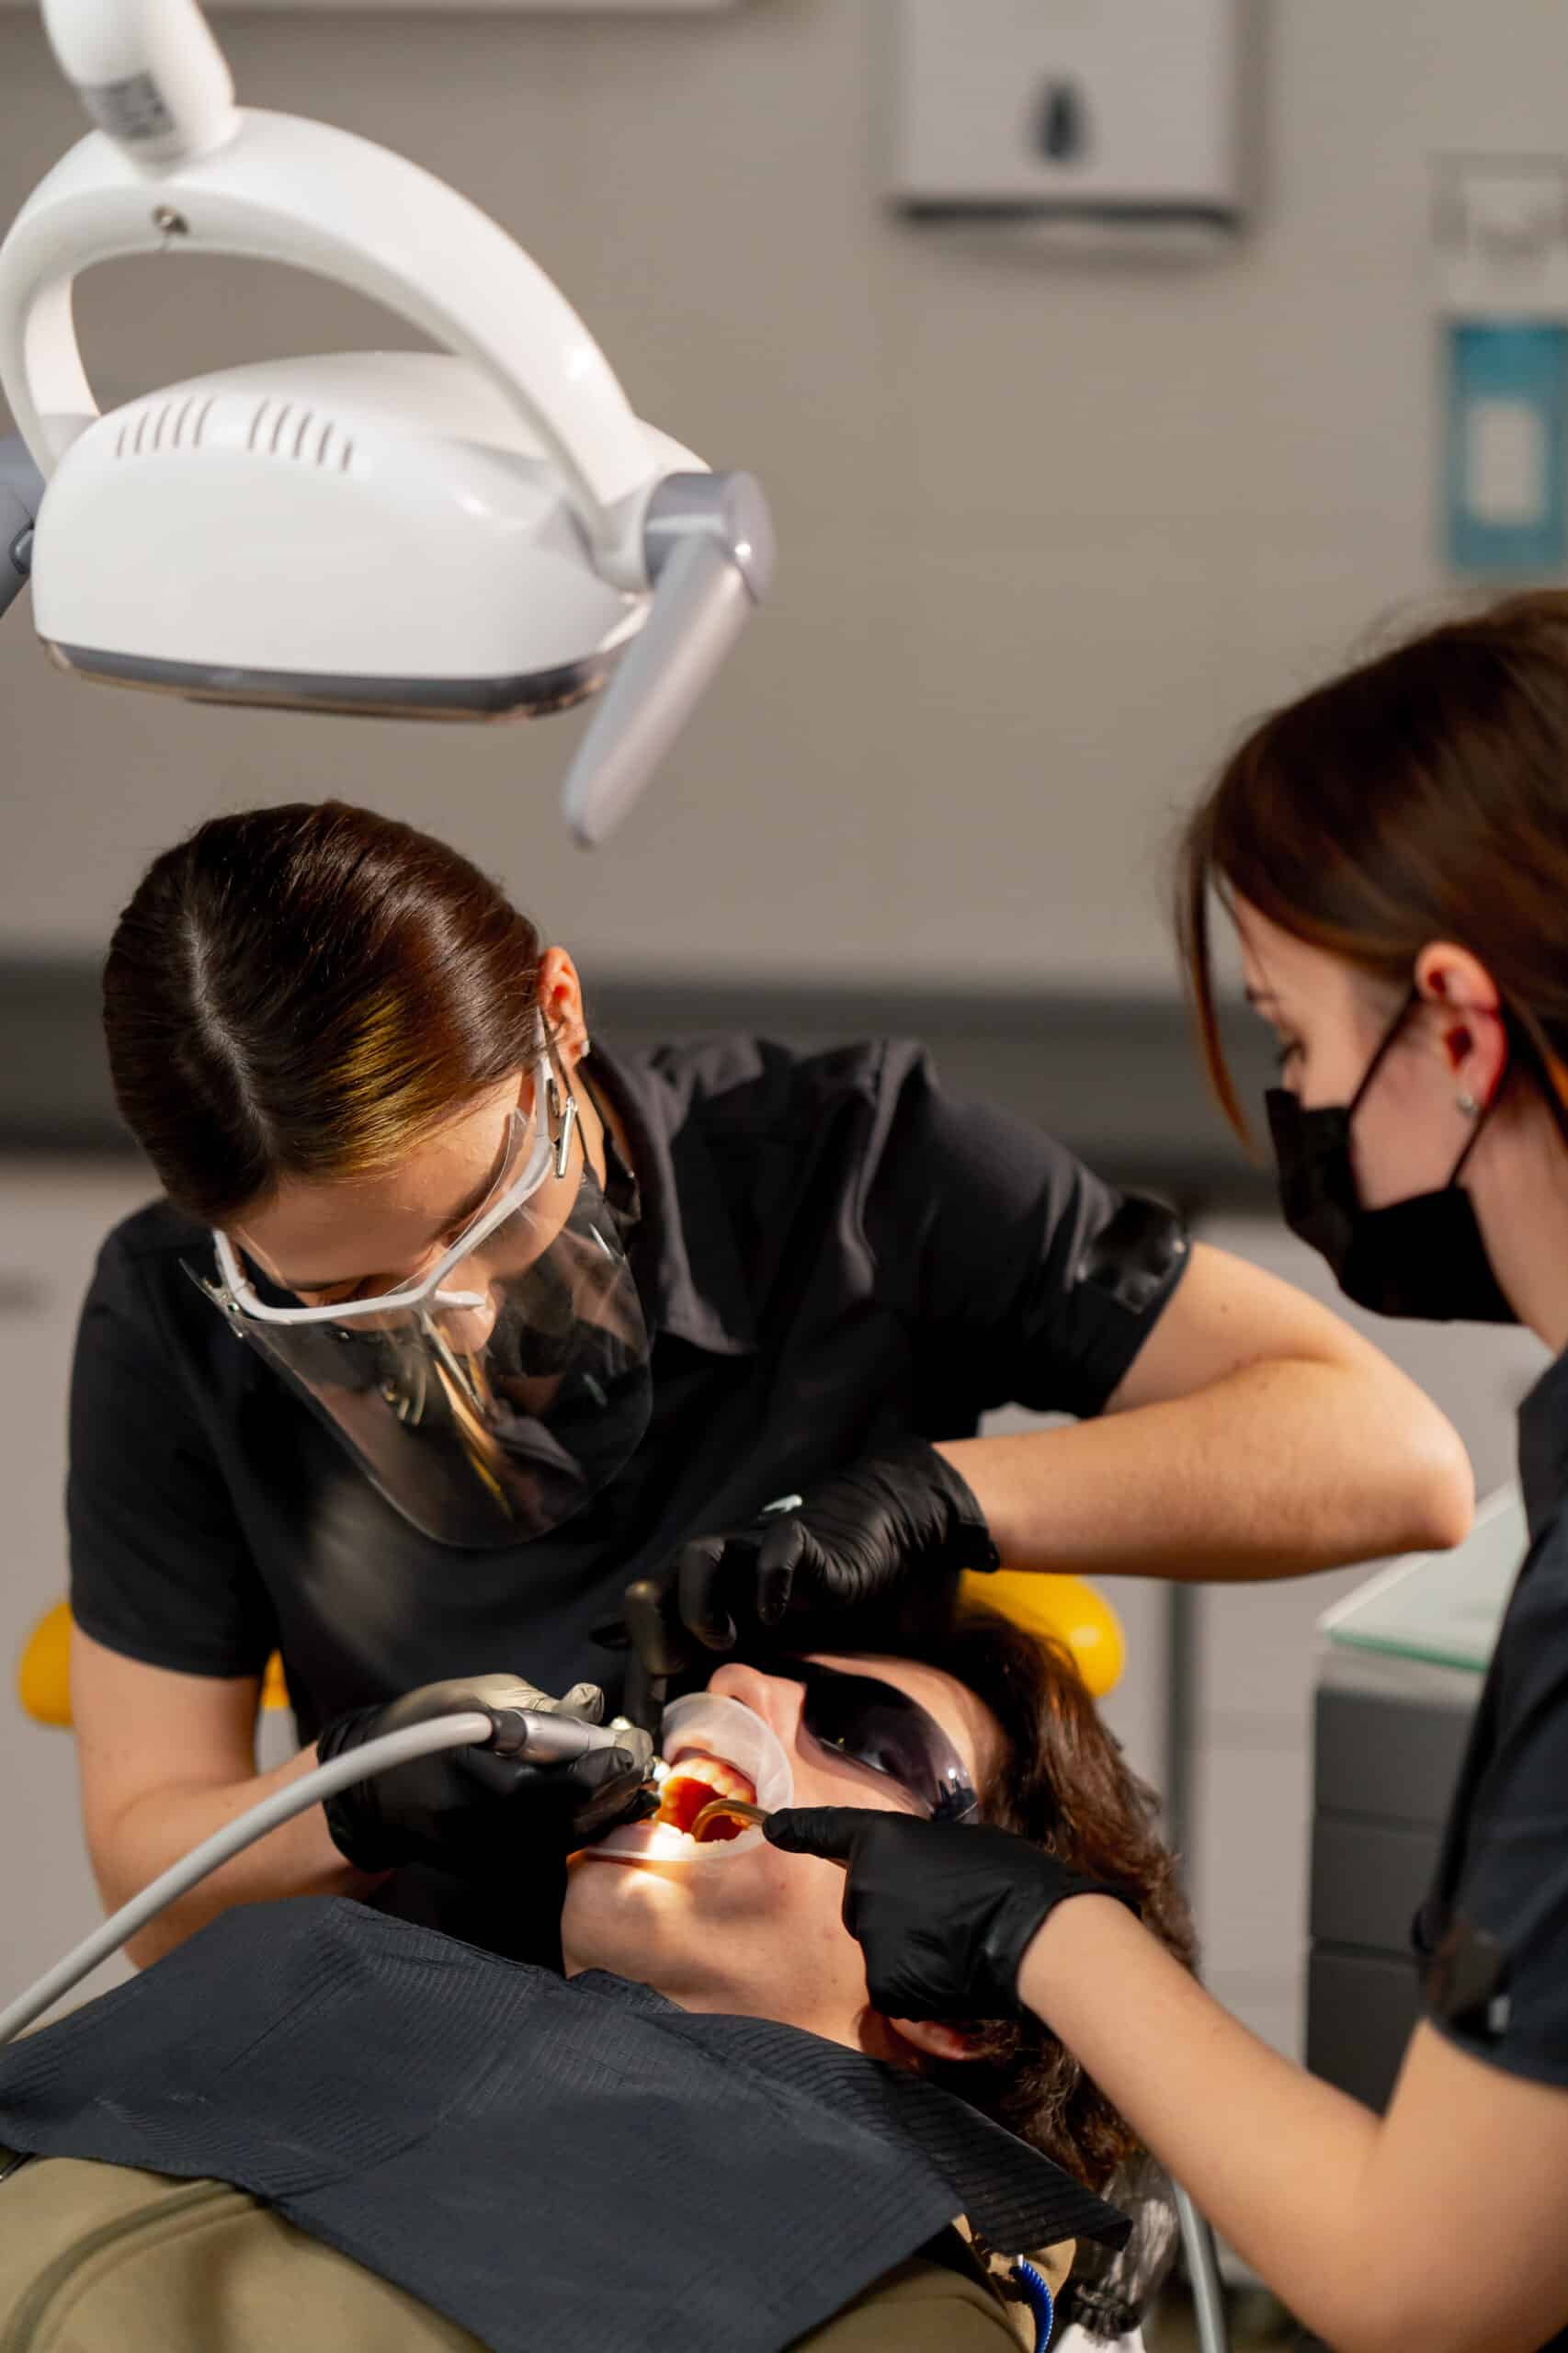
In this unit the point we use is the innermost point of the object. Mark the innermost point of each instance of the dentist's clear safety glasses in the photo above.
(493, 1395)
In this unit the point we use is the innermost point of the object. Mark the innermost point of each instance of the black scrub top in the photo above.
(830, 1254)
(1493, 1933)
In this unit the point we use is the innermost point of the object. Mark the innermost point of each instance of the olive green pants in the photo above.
(97, 2258)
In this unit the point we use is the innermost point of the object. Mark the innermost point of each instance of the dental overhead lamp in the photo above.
(482, 533)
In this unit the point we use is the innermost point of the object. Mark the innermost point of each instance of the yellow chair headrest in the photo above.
(43, 1672)
(1060, 1609)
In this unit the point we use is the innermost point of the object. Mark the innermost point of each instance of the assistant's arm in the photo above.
(1437, 2227)
(166, 1759)
(1254, 1436)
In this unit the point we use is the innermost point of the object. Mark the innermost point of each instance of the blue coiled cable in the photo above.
(1037, 2288)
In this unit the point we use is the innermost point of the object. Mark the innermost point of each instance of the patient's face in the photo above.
(760, 1932)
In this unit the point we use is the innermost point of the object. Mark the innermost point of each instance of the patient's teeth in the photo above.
(694, 1780)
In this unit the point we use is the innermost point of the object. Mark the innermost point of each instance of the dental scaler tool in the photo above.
(728, 1810)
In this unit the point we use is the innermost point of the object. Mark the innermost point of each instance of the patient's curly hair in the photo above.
(1063, 1784)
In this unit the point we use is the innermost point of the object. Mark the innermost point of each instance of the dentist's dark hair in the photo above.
(1421, 796)
(307, 991)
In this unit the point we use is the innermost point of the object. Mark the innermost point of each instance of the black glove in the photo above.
(477, 1810)
(945, 1911)
(901, 1514)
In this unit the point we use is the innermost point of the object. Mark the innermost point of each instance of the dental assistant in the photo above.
(447, 1328)
(1393, 850)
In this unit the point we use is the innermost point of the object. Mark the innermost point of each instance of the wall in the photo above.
(1048, 532)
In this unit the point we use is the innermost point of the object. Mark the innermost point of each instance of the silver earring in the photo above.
(1467, 1103)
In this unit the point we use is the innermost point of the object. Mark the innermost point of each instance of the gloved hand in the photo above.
(475, 1810)
(902, 1513)
(945, 1911)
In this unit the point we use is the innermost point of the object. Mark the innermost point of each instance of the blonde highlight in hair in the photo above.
(309, 991)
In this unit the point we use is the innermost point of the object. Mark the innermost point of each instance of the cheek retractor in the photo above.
(707, 1724)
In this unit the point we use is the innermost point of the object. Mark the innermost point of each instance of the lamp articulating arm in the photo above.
(21, 488)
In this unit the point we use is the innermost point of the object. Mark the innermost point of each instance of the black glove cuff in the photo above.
(353, 1818)
(969, 1544)
(1016, 1922)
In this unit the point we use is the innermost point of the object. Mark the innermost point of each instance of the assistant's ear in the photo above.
(561, 1002)
(1465, 997)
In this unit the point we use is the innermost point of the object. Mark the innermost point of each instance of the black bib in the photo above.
(551, 2164)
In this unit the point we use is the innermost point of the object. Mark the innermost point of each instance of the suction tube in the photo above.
(723, 1729)
(470, 1730)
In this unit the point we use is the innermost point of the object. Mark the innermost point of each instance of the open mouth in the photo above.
(697, 1787)
(722, 1773)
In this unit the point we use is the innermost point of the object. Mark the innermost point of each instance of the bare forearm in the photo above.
(157, 1828)
(1362, 2223)
(1273, 2157)
(1277, 1469)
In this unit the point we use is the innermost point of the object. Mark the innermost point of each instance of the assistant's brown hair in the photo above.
(1063, 1783)
(1421, 796)
(304, 991)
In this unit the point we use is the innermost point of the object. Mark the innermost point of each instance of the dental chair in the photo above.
(43, 1672)
(1057, 1609)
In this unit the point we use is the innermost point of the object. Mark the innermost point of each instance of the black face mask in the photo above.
(1424, 1256)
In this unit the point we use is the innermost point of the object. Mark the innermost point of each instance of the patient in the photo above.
(686, 2144)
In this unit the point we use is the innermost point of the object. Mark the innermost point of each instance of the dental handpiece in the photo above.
(547, 1737)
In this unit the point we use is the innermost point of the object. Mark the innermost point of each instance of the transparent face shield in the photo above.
(492, 1396)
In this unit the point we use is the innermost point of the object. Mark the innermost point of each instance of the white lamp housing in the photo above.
(483, 532)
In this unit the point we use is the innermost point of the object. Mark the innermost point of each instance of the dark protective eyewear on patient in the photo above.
(875, 1724)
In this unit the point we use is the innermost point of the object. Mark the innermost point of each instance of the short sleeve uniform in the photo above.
(831, 1252)
(1493, 1933)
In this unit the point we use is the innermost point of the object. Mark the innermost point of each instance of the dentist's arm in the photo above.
(1254, 1435)
(168, 1759)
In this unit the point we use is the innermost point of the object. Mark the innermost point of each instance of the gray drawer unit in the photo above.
(1387, 1754)
(1389, 1737)
(1368, 1878)
(1360, 2010)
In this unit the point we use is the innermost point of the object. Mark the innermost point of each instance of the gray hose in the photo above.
(470, 1730)
(1203, 2271)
